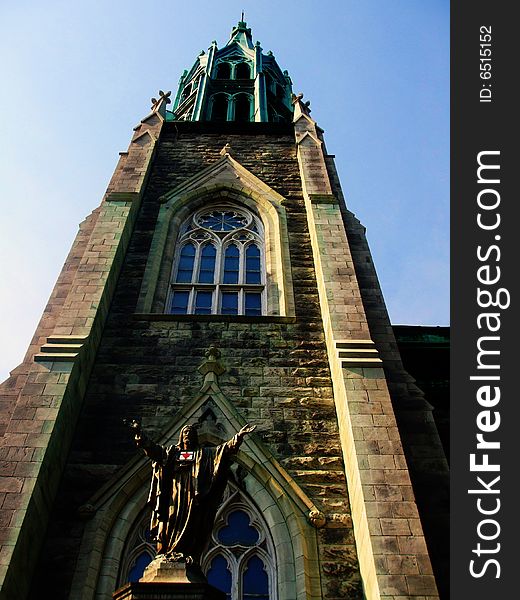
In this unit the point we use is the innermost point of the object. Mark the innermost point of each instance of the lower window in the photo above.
(216, 300)
(239, 560)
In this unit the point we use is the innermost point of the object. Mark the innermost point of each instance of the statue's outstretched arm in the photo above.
(154, 451)
(234, 443)
(245, 430)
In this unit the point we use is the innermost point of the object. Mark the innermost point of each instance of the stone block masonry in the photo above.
(376, 470)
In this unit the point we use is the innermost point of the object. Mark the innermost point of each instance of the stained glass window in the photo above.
(238, 530)
(203, 303)
(186, 261)
(255, 581)
(207, 264)
(140, 564)
(180, 302)
(231, 264)
(219, 575)
(253, 269)
(240, 559)
(229, 303)
(253, 304)
(139, 551)
(220, 266)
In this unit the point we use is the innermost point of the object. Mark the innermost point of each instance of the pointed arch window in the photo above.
(223, 70)
(186, 262)
(208, 255)
(240, 559)
(219, 267)
(242, 71)
(139, 551)
(242, 108)
(231, 264)
(219, 107)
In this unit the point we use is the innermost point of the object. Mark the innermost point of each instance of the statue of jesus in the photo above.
(188, 482)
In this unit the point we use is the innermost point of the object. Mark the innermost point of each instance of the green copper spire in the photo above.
(241, 34)
(235, 83)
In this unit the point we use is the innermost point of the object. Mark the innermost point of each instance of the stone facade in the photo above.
(277, 371)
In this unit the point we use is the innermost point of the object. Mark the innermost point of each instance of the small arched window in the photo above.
(239, 560)
(242, 108)
(186, 262)
(139, 551)
(242, 71)
(185, 93)
(223, 70)
(219, 108)
(219, 264)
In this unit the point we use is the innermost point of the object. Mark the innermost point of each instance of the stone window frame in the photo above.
(136, 545)
(237, 555)
(267, 204)
(221, 243)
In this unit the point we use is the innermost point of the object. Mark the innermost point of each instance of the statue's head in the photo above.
(188, 438)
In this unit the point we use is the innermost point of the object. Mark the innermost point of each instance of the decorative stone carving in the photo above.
(164, 98)
(317, 519)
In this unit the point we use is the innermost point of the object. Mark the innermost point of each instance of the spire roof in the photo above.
(241, 34)
(237, 82)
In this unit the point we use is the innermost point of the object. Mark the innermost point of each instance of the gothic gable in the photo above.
(289, 513)
(224, 181)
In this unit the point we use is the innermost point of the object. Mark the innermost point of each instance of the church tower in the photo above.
(222, 281)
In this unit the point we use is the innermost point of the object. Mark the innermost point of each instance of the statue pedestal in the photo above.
(166, 579)
(166, 570)
(168, 591)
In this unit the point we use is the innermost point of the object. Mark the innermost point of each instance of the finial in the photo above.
(242, 17)
(163, 98)
(303, 106)
(225, 150)
(211, 368)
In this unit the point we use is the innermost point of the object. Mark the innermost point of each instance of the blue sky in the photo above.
(78, 76)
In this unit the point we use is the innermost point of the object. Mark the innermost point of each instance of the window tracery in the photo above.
(139, 552)
(219, 264)
(240, 559)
